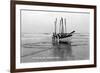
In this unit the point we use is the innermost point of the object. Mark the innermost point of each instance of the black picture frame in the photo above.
(13, 35)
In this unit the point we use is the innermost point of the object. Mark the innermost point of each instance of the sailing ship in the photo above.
(62, 31)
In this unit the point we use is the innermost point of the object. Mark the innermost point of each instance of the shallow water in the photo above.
(41, 48)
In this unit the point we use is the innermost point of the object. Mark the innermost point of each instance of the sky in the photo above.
(43, 21)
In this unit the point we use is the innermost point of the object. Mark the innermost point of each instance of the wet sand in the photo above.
(42, 49)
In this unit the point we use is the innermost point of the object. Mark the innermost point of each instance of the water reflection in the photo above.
(62, 50)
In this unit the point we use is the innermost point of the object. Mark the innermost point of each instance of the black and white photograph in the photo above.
(54, 35)
(48, 36)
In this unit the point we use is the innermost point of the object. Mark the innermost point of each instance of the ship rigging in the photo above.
(62, 30)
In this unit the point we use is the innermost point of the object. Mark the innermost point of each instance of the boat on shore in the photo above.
(62, 36)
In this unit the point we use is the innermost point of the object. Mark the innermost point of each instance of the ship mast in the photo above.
(65, 26)
(62, 26)
(55, 25)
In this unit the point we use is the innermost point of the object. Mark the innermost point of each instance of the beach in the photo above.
(40, 48)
